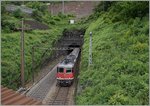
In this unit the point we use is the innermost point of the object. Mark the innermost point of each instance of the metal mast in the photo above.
(90, 49)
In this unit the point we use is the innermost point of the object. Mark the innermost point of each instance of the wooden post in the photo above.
(33, 64)
(63, 7)
(22, 55)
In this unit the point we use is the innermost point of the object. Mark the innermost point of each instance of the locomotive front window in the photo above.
(68, 70)
(61, 70)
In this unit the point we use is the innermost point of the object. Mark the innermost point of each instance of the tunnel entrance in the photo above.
(73, 45)
(71, 39)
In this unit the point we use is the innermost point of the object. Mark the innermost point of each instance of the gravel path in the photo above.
(40, 90)
(66, 98)
(44, 71)
(43, 86)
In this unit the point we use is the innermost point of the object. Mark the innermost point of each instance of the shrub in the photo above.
(37, 15)
(118, 98)
(57, 18)
(18, 13)
(119, 72)
(61, 15)
(9, 25)
(52, 22)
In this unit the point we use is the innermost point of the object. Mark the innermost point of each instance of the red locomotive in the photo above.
(66, 68)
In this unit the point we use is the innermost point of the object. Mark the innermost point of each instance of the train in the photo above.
(66, 69)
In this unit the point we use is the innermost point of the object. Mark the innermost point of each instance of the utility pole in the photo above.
(33, 64)
(63, 7)
(51, 8)
(90, 50)
(103, 5)
(22, 54)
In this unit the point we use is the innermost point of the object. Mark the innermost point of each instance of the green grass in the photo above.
(119, 73)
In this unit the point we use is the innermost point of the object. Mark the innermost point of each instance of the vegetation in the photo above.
(42, 38)
(119, 73)
(11, 53)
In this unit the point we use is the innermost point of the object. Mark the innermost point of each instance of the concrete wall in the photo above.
(78, 8)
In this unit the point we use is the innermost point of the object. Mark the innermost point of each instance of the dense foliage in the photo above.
(119, 73)
(11, 53)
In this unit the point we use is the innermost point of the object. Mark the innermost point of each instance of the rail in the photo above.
(60, 96)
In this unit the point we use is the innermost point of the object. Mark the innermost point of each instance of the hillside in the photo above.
(46, 38)
(119, 73)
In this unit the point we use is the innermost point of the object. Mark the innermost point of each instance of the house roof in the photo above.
(11, 97)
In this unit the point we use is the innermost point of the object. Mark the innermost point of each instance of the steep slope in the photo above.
(119, 73)
(10, 40)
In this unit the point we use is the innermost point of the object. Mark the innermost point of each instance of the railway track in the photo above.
(44, 81)
(60, 97)
(50, 94)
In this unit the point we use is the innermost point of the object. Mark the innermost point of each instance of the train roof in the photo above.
(69, 61)
(70, 65)
(10, 97)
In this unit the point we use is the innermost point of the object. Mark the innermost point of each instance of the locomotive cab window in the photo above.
(61, 70)
(68, 70)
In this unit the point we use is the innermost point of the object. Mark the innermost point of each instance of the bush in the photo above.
(18, 13)
(37, 15)
(11, 52)
(57, 19)
(9, 25)
(61, 15)
(52, 22)
(119, 55)
(130, 9)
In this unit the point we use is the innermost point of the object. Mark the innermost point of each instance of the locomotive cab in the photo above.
(65, 75)
(65, 69)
